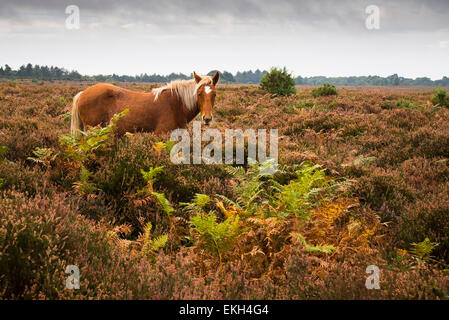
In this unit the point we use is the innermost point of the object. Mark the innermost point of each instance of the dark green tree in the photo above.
(278, 82)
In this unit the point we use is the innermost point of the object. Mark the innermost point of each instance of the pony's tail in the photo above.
(76, 124)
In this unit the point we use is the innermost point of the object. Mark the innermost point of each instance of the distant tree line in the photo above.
(37, 72)
(393, 80)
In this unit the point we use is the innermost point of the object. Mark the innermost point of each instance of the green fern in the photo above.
(302, 194)
(423, 249)
(80, 149)
(328, 249)
(215, 237)
(164, 203)
(249, 189)
(152, 245)
(263, 195)
(151, 174)
(150, 177)
(83, 186)
(44, 156)
(159, 242)
(199, 202)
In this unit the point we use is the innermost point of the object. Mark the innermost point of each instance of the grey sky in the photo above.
(308, 37)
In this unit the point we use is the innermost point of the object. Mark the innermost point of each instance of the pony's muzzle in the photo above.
(207, 120)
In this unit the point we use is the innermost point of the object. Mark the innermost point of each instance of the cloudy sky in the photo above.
(316, 37)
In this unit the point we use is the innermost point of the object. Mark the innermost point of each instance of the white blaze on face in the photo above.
(207, 89)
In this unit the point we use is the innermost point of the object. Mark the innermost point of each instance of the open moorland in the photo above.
(363, 180)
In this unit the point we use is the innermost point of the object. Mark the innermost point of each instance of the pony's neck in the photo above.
(182, 113)
(189, 113)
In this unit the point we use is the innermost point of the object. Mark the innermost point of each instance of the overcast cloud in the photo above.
(308, 37)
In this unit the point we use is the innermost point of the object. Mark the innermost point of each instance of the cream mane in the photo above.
(186, 90)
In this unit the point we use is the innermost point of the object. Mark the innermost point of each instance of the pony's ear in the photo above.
(215, 78)
(197, 77)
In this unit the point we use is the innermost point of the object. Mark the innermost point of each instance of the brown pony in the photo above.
(163, 109)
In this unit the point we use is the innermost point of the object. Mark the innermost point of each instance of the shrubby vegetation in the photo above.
(363, 179)
(278, 82)
(325, 90)
(441, 98)
(403, 103)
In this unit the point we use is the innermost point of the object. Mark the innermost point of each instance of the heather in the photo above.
(363, 180)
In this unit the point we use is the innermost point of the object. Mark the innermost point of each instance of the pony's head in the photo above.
(206, 95)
